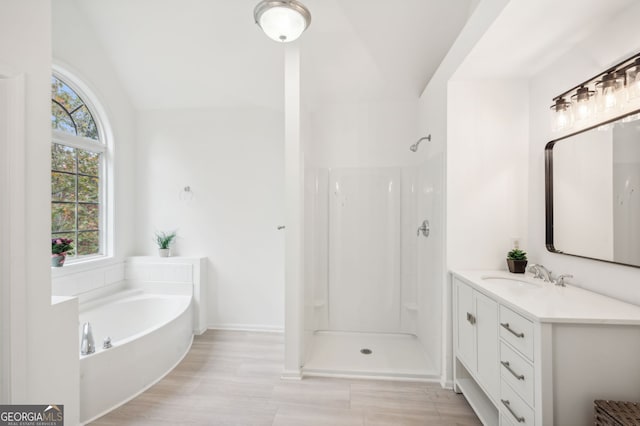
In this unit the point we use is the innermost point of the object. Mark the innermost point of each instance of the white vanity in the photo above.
(528, 352)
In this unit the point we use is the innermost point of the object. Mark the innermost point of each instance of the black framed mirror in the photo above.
(592, 192)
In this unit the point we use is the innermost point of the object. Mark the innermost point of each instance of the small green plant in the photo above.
(164, 240)
(61, 246)
(517, 254)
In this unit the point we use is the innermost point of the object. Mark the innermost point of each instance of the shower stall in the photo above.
(373, 267)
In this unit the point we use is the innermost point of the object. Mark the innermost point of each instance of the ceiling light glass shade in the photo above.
(282, 20)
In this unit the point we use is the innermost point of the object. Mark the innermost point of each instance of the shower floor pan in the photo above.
(377, 355)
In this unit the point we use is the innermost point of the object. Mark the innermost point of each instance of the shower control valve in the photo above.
(424, 228)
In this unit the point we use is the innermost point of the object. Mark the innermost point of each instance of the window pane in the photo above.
(63, 187)
(61, 120)
(63, 158)
(88, 189)
(88, 162)
(63, 217)
(88, 243)
(85, 124)
(88, 217)
(64, 95)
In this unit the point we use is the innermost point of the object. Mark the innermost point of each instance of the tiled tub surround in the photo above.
(539, 354)
(149, 273)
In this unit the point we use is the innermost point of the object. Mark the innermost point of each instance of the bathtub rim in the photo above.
(125, 295)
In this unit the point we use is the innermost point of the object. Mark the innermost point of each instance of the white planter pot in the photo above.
(164, 252)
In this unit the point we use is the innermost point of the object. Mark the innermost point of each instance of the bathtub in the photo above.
(150, 333)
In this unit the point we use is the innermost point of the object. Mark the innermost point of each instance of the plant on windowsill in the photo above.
(60, 248)
(517, 261)
(164, 240)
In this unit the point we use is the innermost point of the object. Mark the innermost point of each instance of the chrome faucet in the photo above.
(87, 345)
(560, 280)
(541, 272)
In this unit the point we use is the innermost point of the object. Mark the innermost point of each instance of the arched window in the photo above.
(78, 171)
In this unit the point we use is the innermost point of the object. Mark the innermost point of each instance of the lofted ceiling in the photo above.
(210, 53)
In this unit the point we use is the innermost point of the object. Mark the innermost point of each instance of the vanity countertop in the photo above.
(546, 302)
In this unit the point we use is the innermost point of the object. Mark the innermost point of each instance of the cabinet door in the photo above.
(488, 334)
(466, 318)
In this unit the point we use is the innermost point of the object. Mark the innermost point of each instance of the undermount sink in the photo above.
(512, 281)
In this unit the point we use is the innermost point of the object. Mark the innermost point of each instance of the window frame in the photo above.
(102, 146)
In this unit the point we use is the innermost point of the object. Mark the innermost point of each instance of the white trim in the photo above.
(419, 378)
(13, 266)
(291, 375)
(85, 264)
(105, 145)
(76, 141)
(246, 327)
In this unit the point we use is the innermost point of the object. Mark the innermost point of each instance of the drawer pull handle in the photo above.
(508, 367)
(510, 330)
(471, 318)
(506, 403)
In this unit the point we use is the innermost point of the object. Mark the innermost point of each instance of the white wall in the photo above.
(374, 134)
(77, 49)
(487, 164)
(50, 357)
(612, 41)
(432, 119)
(233, 161)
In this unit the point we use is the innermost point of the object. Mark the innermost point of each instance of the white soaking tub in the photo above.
(150, 333)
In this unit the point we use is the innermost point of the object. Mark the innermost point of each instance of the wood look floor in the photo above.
(233, 378)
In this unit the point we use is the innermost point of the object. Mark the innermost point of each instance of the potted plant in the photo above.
(60, 247)
(164, 240)
(517, 261)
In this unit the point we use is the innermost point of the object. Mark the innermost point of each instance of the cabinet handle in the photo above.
(471, 318)
(508, 367)
(506, 403)
(510, 330)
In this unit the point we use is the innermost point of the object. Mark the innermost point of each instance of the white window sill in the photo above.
(84, 265)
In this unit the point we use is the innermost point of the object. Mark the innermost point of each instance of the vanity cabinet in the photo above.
(538, 354)
(477, 336)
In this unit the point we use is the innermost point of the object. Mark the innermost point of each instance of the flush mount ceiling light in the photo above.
(282, 20)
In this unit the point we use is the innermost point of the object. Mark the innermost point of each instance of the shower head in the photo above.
(414, 147)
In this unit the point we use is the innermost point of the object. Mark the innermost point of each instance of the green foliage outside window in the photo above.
(75, 173)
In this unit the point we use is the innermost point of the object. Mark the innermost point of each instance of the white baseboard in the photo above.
(448, 384)
(246, 327)
(291, 375)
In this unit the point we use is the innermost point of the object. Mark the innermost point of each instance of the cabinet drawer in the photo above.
(513, 407)
(517, 372)
(517, 330)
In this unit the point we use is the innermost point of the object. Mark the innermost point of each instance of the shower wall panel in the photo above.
(364, 249)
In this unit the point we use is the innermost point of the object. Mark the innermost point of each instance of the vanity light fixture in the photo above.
(282, 20)
(561, 117)
(608, 95)
(583, 102)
